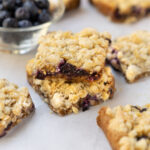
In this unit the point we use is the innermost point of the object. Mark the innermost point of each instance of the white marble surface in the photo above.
(47, 131)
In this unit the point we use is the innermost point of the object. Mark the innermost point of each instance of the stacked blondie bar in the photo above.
(69, 70)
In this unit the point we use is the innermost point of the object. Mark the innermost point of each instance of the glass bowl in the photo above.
(23, 40)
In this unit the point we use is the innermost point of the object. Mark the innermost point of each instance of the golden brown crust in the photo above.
(71, 4)
(103, 7)
(126, 127)
(103, 122)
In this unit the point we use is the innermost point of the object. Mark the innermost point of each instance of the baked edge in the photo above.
(112, 136)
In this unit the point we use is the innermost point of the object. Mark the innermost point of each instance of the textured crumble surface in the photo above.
(71, 4)
(133, 126)
(85, 51)
(123, 10)
(15, 104)
(66, 97)
(131, 55)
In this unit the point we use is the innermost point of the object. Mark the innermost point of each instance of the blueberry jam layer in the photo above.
(142, 137)
(114, 61)
(136, 11)
(88, 101)
(68, 70)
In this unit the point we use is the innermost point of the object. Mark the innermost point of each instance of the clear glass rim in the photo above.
(33, 28)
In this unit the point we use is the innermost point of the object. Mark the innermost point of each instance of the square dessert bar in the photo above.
(65, 97)
(131, 55)
(71, 56)
(127, 128)
(123, 10)
(71, 4)
(15, 104)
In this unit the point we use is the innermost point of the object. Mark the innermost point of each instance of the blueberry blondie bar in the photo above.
(71, 4)
(71, 56)
(127, 128)
(123, 10)
(15, 104)
(65, 97)
(131, 55)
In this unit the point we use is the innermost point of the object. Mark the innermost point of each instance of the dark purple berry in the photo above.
(0, 1)
(141, 137)
(24, 24)
(136, 10)
(70, 70)
(22, 13)
(109, 40)
(43, 4)
(40, 75)
(33, 10)
(118, 15)
(3, 15)
(1, 7)
(88, 101)
(10, 22)
(36, 23)
(9, 4)
(140, 110)
(147, 11)
(19, 3)
(44, 16)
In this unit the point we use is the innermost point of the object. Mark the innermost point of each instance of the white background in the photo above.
(47, 131)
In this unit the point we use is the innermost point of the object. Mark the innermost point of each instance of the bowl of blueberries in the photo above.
(22, 22)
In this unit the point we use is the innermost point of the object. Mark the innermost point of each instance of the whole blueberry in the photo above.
(0, 1)
(9, 4)
(19, 3)
(22, 13)
(36, 23)
(3, 15)
(1, 7)
(42, 4)
(24, 24)
(10, 22)
(31, 7)
(44, 16)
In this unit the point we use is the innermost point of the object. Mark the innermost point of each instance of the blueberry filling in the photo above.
(117, 14)
(147, 12)
(140, 110)
(111, 91)
(114, 51)
(88, 101)
(135, 11)
(142, 137)
(109, 40)
(105, 83)
(94, 76)
(114, 61)
(69, 70)
(40, 75)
